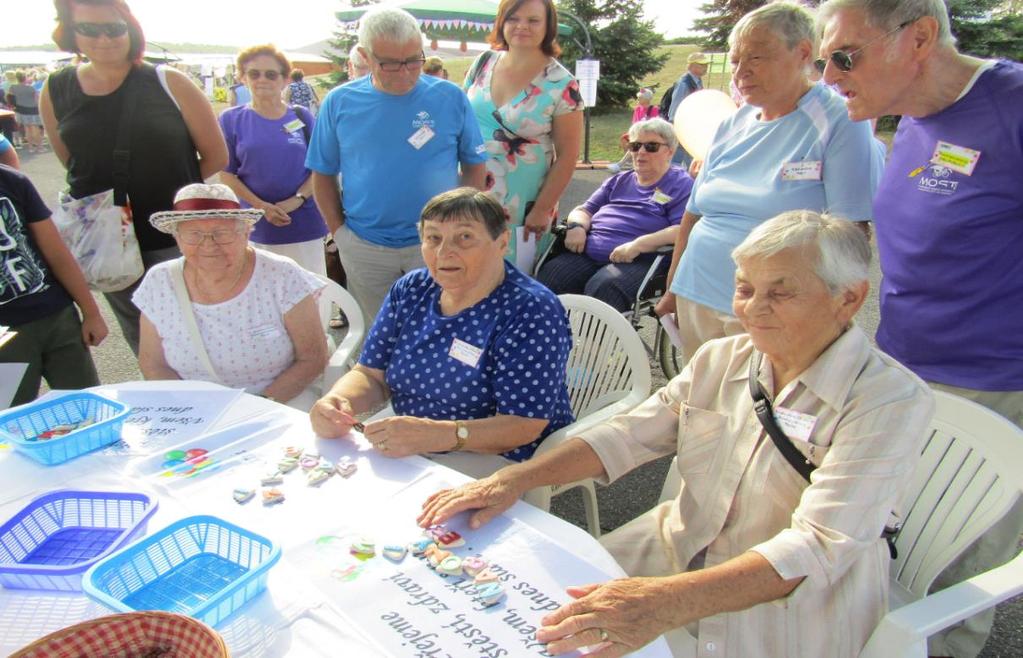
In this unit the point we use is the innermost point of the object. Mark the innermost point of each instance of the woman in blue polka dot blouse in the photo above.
(470, 351)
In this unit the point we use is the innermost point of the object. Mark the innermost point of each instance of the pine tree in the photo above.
(623, 42)
(342, 42)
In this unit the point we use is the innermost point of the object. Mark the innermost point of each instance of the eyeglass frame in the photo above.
(263, 74)
(212, 235)
(843, 61)
(98, 30)
(636, 146)
(403, 64)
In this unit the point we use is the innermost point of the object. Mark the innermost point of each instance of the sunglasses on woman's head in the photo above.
(844, 61)
(649, 147)
(255, 74)
(94, 30)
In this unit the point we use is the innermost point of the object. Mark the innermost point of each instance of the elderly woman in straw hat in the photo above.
(226, 312)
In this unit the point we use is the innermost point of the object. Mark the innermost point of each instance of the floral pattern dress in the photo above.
(520, 149)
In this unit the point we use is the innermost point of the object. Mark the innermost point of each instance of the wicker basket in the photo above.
(147, 634)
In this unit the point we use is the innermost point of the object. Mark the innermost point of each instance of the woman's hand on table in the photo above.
(490, 497)
(629, 612)
(401, 436)
(625, 253)
(332, 417)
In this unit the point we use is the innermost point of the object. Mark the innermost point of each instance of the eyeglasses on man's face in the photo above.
(95, 30)
(255, 74)
(844, 61)
(392, 66)
(649, 147)
(220, 236)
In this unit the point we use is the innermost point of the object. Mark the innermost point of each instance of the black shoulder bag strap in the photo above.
(122, 147)
(765, 414)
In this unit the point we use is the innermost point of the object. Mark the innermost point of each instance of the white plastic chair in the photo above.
(608, 373)
(970, 474)
(341, 358)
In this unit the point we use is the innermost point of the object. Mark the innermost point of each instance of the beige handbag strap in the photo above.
(177, 269)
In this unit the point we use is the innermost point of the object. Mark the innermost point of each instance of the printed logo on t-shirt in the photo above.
(935, 179)
(423, 119)
(21, 270)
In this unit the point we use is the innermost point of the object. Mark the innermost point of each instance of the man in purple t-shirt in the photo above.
(949, 221)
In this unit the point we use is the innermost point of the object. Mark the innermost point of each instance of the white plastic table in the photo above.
(297, 615)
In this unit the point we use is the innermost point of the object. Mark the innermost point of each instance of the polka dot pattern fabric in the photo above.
(521, 331)
(245, 337)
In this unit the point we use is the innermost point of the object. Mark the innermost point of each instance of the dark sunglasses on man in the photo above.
(256, 74)
(844, 61)
(649, 147)
(95, 30)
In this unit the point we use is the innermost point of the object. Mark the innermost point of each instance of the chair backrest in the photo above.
(970, 473)
(342, 353)
(608, 363)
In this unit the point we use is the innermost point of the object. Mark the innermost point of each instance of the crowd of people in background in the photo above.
(430, 189)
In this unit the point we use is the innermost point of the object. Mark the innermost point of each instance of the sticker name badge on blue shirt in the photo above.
(466, 353)
(801, 170)
(420, 137)
(660, 197)
(294, 125)
(956, 158)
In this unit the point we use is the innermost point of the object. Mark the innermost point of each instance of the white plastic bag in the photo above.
(102, 239)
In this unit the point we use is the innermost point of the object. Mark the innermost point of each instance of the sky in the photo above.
(289, 24)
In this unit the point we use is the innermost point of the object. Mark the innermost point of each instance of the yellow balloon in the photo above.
(698, 117)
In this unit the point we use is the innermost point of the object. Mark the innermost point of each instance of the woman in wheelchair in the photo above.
(611, 238)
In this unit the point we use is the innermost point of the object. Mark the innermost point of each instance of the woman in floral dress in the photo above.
(530, 113)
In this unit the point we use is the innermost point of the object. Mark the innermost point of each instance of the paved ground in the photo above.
(620, 502)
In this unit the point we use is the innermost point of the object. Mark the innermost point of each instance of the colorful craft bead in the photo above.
(394, 552)
(450, 566)
(272, 496)
(242, 495)
(473, 565)
(489, 594)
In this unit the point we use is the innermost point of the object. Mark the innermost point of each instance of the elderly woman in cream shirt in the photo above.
(749, 559)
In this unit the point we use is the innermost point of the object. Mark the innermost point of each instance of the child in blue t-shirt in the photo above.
(40, 284)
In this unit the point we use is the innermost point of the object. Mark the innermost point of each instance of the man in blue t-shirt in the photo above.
(949, 222)
(397, 139)
(690, 82)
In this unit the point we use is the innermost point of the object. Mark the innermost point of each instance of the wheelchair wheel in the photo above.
(668, 356)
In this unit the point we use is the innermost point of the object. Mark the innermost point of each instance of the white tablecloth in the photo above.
(299, 614)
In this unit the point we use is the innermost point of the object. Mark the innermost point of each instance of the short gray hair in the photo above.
(658, 126)
(790, 22)
(886, 15)
(388, 24)
(357, 59)
(843, 251)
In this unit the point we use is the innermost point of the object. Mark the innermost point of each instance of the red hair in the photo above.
(64, 34)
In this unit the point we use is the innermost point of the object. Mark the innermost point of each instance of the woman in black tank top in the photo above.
(174, 136)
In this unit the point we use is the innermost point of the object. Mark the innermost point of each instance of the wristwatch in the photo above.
(571, 225)
(301, 197)
(461, 435)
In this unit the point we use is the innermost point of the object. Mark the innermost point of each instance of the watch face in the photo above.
(462, 432)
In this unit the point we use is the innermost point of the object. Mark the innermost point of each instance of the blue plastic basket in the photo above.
(200, 566)
(20, 425)
(50, 543)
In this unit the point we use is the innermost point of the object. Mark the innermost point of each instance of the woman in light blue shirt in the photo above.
(790, 147)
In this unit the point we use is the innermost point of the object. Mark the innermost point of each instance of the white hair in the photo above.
(357, 59)
(388, 24)
(790, 22)
(843, 251)
(886, 15)
(659, 127)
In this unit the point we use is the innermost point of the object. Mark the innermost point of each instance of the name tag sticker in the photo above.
(265, 331)
(956, 158)
(466, 353)
(801, 170)
(795, 424)
(420, 137)
(293, 125)
(661, 197)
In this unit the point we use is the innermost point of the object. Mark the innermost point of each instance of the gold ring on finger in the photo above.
(603, 635)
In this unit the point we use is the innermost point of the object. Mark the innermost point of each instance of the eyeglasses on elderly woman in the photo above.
(844, 60)
(220, 236)
(269, 74)
(649, 147)
(95, 30)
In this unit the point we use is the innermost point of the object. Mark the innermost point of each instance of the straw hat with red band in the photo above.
(202, 201)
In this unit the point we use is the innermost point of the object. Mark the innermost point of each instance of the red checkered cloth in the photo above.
(147, 634)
